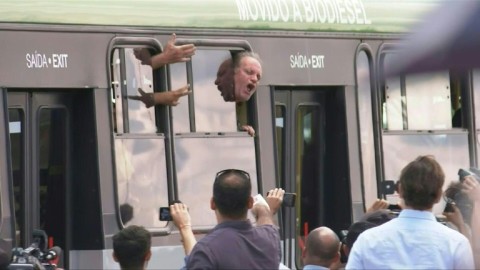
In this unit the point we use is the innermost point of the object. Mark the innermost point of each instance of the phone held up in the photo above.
(288, 199)
(165, 214)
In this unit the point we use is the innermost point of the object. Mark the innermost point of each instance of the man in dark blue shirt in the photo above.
(234, 243)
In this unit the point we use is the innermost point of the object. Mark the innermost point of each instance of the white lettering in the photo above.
(322, 17)
(60, 60)
(242, 10)
(341, 12)
(367, 21)
(317, 61)
(296, 12)
(350, 13)
(253, 15)
(284, 11)
(309, 11)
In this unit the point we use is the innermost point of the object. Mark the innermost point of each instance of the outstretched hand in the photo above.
(146, 98)
(249, 129)
(170, 98)
(275, 199)
(174, 54)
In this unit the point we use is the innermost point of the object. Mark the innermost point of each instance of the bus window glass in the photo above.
(130, 75)
(407, 97)
(212, 113)
(181, 118)
(308, 178)
(141, 180)
(476, 96)
(16, 125)
(280, 132)
(366, 126)
(52, 132)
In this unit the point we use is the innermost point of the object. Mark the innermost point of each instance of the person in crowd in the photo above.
(415, 239)
(322, 250)
(171, 54)
(465, 196)
(369, 220)
(131, 247)
(255, 247)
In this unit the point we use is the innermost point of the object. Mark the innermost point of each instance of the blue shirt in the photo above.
(237, 245)
(414, 240)
(314, 267)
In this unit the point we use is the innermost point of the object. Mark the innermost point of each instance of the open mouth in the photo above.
(251, 87)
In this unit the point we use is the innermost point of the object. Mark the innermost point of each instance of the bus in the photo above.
(80, 160)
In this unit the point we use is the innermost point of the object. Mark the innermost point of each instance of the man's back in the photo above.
(414, 240)
(237, 245)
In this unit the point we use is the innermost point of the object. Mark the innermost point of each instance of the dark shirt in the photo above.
(237, 245)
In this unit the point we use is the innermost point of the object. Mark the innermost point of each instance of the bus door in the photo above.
(41, 130)
(311, 156)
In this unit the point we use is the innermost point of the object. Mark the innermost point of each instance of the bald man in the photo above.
(322, 250)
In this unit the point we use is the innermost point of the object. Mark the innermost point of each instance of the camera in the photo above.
(36, 256)
(288, 199)
(165, 214)
(462, 173)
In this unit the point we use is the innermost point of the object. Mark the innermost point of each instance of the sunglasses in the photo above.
(222, 172)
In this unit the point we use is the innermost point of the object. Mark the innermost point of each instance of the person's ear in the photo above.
(400, 190)
(212, 204)
(346, 250)
(148, 255)
(114, 257)
(250, 202)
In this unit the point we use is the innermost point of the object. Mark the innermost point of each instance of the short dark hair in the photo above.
(462, 201)
(368, 221)
(131, 245)
(421, 182)
(231, 191)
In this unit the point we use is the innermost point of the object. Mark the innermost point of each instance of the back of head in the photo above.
(368, 221)
(231, 191)
(421, 183)
(322, 247)
(462, 201)
(131, 246)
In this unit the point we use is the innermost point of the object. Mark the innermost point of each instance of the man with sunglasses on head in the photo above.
(234, 243)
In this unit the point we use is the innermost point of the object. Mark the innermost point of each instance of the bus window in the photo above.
(366, 127)
(129, 75)
(141, 170)
(407, 97)
(212, 113)
(16, 126)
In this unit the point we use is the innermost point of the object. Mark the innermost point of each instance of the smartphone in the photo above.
(165, 214)
(288, 199)
(394, 207)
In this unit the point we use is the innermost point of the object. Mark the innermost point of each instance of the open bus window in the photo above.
(129, 74)
(426, 101)
(214, 106)
(140, 156)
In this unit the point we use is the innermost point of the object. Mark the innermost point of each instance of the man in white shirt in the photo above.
(414, 240)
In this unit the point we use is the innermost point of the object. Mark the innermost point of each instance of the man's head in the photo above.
(368, 221)
(131, 247)
(224, 81)
(421, 182)
(232, 194)
(456, 193)
(247, 74)
(322, 248)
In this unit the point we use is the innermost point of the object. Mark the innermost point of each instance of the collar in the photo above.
(410, 213)
(236, 224)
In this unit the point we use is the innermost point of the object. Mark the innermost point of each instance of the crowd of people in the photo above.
(410, 239)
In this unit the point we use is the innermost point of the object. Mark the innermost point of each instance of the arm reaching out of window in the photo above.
(162, 98)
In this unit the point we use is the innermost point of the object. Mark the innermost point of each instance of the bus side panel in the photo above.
(41, 59)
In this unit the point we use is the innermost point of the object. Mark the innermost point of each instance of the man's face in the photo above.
(224, 81)
(246, 77)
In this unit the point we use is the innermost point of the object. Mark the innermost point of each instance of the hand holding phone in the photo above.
(165, 214)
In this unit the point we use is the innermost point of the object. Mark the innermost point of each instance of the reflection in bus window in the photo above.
(280, 133)
(181, 118)
(308, 176)
(16, 126)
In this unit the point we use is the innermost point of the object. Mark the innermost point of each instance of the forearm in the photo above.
(158, 61)
(264, 216)
(188, 238)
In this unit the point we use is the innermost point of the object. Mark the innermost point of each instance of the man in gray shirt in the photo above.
(234, 243)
